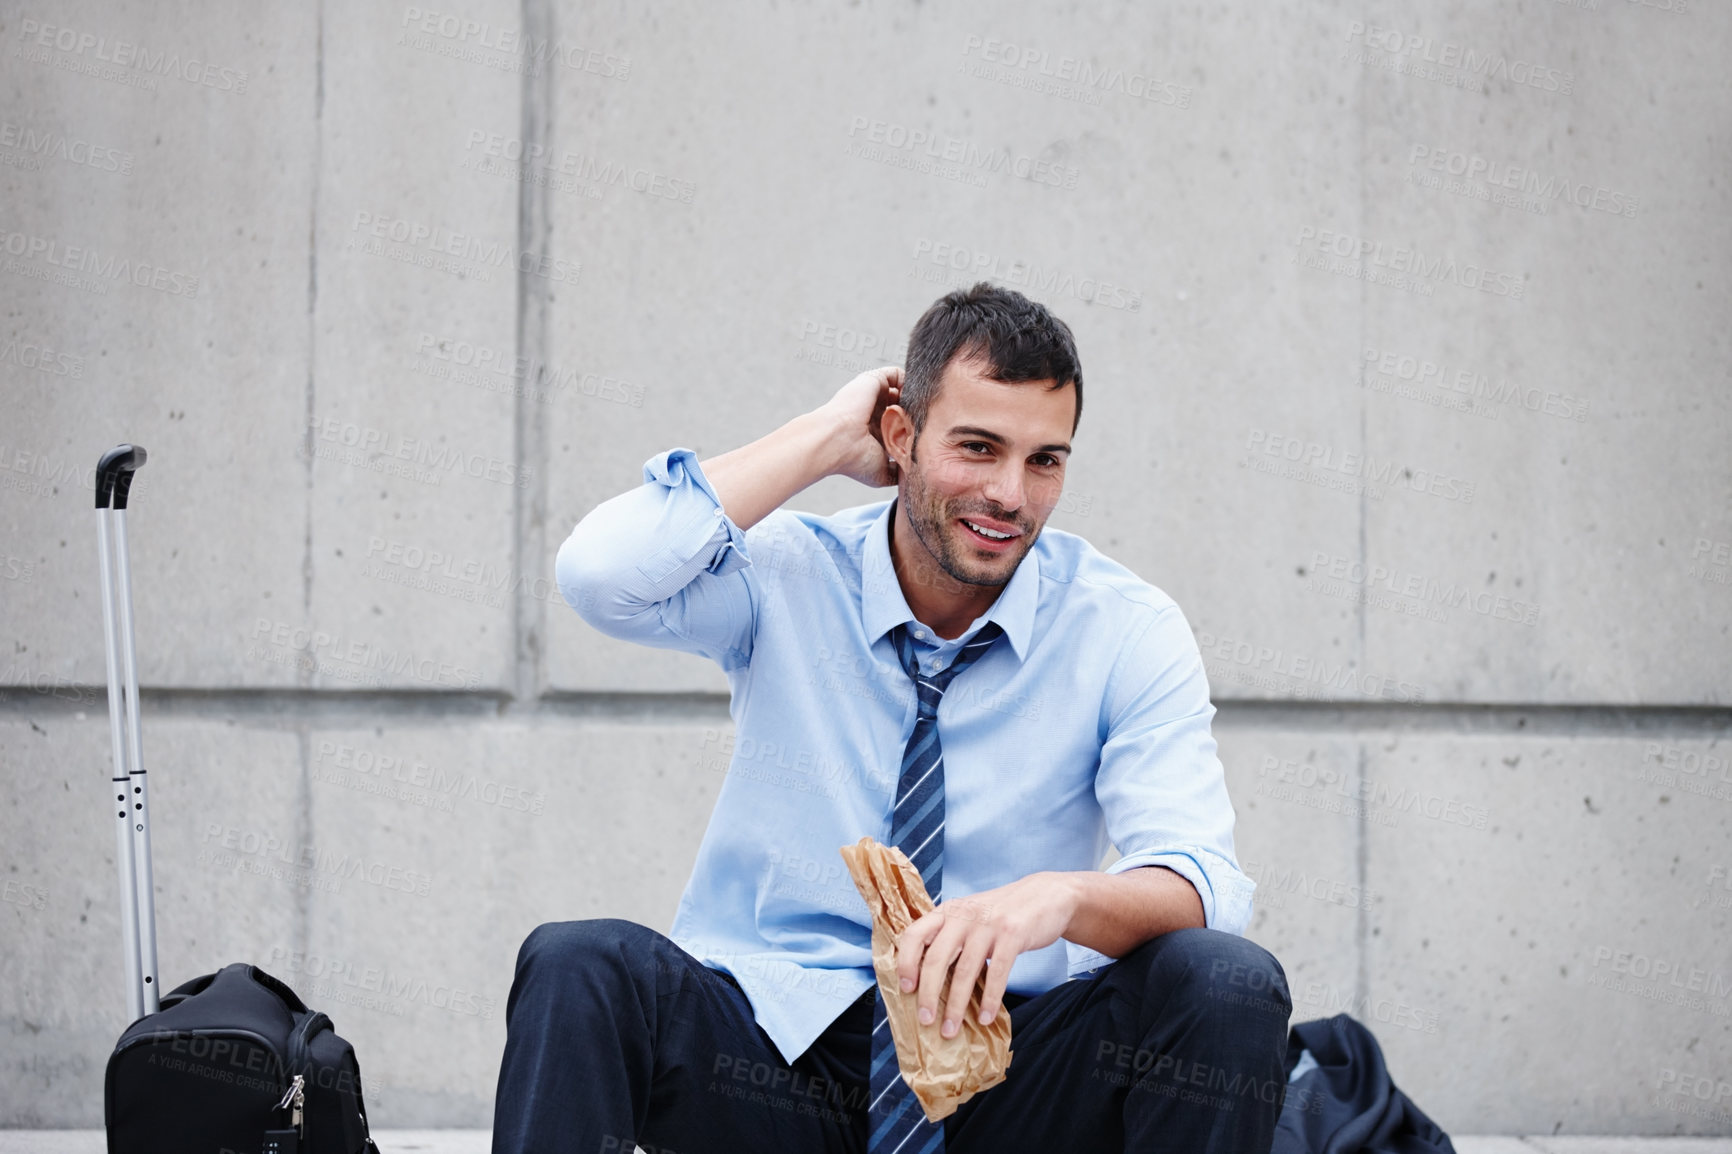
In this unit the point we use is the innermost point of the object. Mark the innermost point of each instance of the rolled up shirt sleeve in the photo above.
(663, 565)
(1160, 783)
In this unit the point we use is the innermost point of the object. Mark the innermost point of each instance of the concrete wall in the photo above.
(1406, 343)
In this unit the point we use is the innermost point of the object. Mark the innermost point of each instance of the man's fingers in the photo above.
(911, 946)
(962, 979)
(939, 957)
(997, 978)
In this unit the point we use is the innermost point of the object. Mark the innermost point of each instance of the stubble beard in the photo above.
(932, 518)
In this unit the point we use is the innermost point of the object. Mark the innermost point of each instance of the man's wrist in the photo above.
(812, 432)
(832, 436)
(1071, 887)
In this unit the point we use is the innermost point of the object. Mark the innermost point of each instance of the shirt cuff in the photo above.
(1226, 907)
(679, 469)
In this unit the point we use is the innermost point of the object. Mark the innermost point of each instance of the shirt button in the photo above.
(938, 664)
(920, 635)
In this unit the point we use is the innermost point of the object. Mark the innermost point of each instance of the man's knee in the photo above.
(581, 947)
(1228, 974)
(583, 968)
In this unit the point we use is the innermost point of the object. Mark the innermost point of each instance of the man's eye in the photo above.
(1045, 460)
(973, 446)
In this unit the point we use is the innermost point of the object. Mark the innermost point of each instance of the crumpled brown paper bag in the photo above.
(943, 1072)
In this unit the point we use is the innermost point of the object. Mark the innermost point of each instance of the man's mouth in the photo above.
(992, 532)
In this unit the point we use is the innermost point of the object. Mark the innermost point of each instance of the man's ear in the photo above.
(897, 429)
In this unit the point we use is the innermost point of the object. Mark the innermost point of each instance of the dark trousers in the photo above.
(615, 1035)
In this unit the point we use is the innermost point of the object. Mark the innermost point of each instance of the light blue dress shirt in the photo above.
(1086, 725)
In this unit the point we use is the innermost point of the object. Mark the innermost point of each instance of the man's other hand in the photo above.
(839, 437)
(1109, 913)
(857, 412)
(987, 929)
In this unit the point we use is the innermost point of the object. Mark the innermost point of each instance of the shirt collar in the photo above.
(883, 607)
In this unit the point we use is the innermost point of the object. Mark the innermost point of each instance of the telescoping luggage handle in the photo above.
(131, 804)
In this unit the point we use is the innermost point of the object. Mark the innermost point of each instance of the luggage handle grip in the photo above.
(114, 474)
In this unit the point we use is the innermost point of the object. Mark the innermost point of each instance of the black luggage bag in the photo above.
(232, 1062)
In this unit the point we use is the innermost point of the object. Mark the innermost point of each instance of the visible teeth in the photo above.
(996, 536)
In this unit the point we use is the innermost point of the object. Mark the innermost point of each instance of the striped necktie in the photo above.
(897, 1125)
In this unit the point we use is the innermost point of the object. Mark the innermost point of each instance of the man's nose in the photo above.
(1004, 487)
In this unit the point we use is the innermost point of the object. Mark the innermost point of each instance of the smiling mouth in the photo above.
(996, 536)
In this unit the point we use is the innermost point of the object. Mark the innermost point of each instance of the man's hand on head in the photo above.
(856, 413)
(982, 931)
(840, 437)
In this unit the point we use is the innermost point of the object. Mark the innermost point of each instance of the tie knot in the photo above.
(929, 685)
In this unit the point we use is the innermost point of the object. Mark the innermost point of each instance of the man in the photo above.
(939, 674)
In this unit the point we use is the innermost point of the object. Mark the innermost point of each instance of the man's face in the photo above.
(985, 473)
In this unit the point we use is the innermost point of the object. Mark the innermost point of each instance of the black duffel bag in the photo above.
(234, 1063)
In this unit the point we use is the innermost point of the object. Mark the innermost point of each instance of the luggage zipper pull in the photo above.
(294, 1099)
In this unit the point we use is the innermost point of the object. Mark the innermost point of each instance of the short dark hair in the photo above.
(1016, 338)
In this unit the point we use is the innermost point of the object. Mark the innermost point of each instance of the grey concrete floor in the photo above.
(476, 1142)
